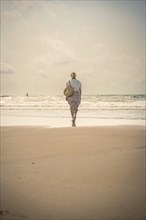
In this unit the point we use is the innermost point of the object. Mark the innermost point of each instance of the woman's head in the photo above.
(73, 75)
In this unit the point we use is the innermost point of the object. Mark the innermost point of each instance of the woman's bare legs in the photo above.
(74, 115)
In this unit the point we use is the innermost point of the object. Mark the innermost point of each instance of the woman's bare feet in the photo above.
(73, 123)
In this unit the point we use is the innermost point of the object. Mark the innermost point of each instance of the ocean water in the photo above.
(53, 111)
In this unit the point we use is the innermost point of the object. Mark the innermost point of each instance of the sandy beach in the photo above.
(80, 173)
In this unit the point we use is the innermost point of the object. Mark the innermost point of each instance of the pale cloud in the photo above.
(24, 5)
(21, 10)
(14, 11)
(6, 69)
(56, 55)
(46, 40)
(52, 8)
(102, 47)
(125, 63)
(10, 16)
(113, 72)
(53, 43)
(52, 59)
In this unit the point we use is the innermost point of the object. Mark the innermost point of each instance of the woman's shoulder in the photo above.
(76, 80)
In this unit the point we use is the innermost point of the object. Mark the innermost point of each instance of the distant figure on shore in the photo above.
(26, 94)
(75, 99)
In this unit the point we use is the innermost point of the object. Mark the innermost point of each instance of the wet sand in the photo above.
(80, 173)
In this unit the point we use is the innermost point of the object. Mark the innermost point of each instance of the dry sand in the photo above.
(73, 173)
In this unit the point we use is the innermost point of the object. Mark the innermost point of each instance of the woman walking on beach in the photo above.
(75, 99)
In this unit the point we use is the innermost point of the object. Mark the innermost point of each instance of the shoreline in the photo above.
(66, 122)
(66, 173)
(77, 127)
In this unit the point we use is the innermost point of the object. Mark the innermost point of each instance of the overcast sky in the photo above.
(42, 42)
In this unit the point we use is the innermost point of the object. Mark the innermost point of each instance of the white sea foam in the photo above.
(54, 110)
